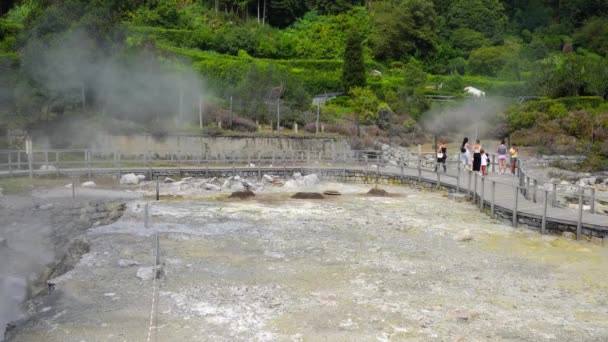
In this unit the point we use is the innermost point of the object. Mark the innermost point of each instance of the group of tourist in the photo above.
(481, 159)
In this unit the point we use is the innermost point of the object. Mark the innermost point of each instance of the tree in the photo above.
(365, 104)
(401, 28)
(467, 40)
(487, 61)
(353, 71)
(485, 16)
(594, 35)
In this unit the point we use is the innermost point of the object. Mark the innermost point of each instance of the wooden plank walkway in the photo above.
(504, 195)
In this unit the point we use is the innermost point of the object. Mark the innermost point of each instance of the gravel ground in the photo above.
(410, 267)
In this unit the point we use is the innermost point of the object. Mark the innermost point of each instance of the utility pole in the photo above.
(200, 111)
(318, 112)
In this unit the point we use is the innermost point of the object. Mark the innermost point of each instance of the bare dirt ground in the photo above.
(413, 266)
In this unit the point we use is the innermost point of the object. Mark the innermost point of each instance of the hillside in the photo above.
(167, 63)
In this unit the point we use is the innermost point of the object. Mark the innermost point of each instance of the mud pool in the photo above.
(410, 267)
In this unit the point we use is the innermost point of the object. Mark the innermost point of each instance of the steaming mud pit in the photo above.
(411, 266)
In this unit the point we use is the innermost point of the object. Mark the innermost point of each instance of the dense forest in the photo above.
(137, 63)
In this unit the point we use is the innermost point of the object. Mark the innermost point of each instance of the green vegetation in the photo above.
(60, 60)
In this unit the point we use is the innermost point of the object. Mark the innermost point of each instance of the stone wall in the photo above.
(201, 145)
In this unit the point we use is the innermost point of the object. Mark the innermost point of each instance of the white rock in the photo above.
(237, 186)
(127, 263)
(297, 175)
(251, 165)
(464, 235)
(560, 183)
(227, 184)
(188, 179)
(147, 273)
(268, 178)
(385, 147)
(48, 168)
(392, 162)
(141, 177)
(169, 180)
(311, 180)
(68, 185)
(129, 178)
(88, 184)
(211, 187)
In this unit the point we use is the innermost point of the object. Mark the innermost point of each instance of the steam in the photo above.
(75, 73)
(474, 118)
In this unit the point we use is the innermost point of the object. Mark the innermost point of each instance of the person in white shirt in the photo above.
(484, 163)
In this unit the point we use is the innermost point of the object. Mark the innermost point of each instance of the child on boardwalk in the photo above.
(484, 163)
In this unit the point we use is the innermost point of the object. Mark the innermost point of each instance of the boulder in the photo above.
(169, 180)
(242, 194)
(307, 195)
(237, 186)
(297, 175)
(127, 263)
(331, 193)
(268, 178)
(147, 273)
(188, 179)
(463, 235)
(48, 168)
(141, 177)
(311, 180)
(88, 184)
(129, 179)
(377, 192)
(211, 187)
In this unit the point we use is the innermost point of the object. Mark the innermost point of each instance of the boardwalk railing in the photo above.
(517, 197)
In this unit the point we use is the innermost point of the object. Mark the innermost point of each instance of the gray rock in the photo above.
(169, 180)
(48, 168)
(147, 273)
(127, 263)
(141, 177)
(129, 179)
(268, 178)
(211, 187)
(88, 184)
(297, 175)
(237, 186)
(464, 235)
(188, 179)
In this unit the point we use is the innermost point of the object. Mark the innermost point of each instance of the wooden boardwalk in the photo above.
(501, 195)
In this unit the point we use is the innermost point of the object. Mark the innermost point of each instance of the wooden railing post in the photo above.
(515, 207)
(579, 223)
(492, 213)
(543, 226)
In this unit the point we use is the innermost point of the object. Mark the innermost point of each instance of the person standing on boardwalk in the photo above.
(484, 163)
(442, 155)
(465, 154)
(513, 153)
(501, 150)
(477, 156)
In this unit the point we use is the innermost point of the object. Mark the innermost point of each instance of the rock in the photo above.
(46, 206)
(48, 168)
(147, 273)
(297, 175)
(242, 194)
(277, 182)
(331, 193)
(307, 195)
(560, 183)
(188, 179)
(141, 177)
(569, 235)
(464, 235)
(457, 197)
(129, 179)
(311, 180)
(127, 263)
(88, 184)
(238, 186)
(394, 163)
(211, 187)
(386, 147)
(268, 178)
(169, 180)
(377, 192)
(68, 185)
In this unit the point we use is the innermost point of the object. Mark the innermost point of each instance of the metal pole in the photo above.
(554, 195)
(146, 215)
(515, 207)
(419, 170)
(438, 179)
(458, 182)
(475, 189)
(579, 224)
(157, 188)
(157, 250)
(482, 194)
(534, 184)
(543, 226)
(592, 201)
(402, 175)
(493, 163)
(469, 185)
(492, 213)
(318, 114)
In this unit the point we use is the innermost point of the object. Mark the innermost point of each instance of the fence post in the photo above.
(88, 154)
(469, 185)
(543, 226)
(475, 189)
(515, 207)
(458, 182)
(492, 213)
(579, 224)
(377, 173)
(157, 188)
(402, 175)
(10, 163)
(73, 188)
(419, 169)
(592, 201)
(366, 170)
(493, 163)
(19, 160)
(30, 162)
(554, 195)
(535, 185)
(438, 180)
(482, 194)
